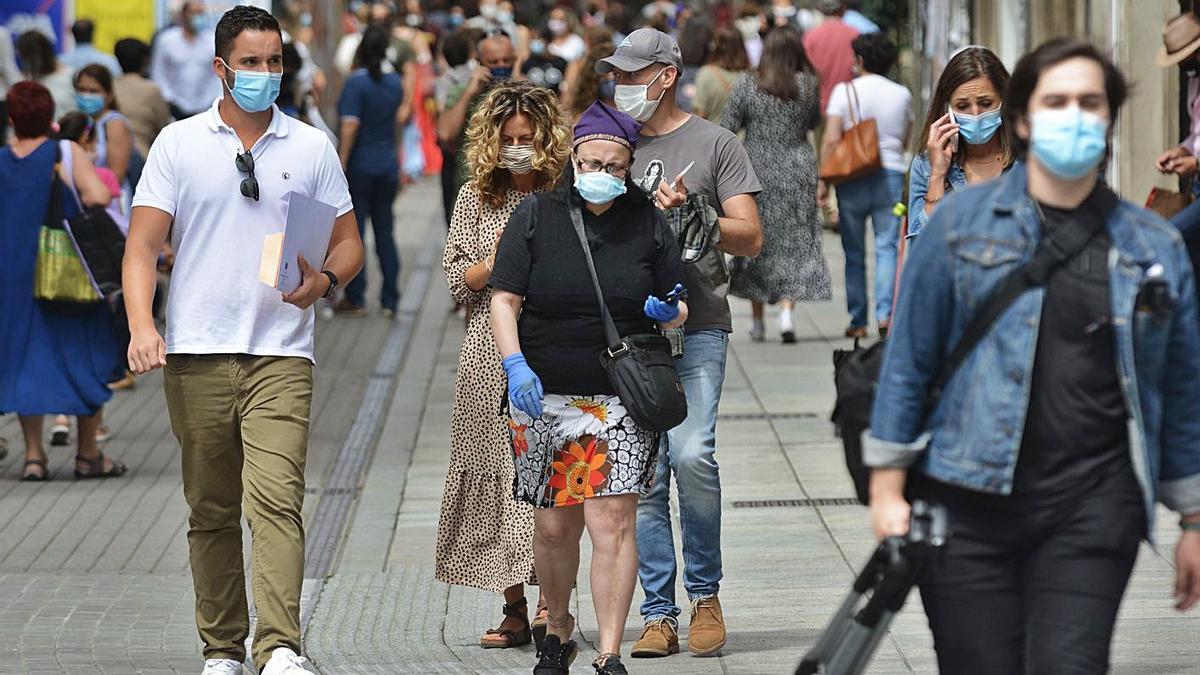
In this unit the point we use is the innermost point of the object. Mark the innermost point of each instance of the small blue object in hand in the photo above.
(524, 388)
(665, 311)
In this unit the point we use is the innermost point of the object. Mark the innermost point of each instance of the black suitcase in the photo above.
(853, 634)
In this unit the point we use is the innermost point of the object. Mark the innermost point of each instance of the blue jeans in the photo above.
(875, 196)
(373, 196)
(689, 452)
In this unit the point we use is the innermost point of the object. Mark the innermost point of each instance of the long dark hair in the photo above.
(37, 54)
(967, 65)
(783, 57)
(729, 50)
(1030, 68)
(695, 41)
(372, 51)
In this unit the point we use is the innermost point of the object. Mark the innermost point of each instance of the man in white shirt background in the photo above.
(85, 53)
(238, 355)
(182, 63)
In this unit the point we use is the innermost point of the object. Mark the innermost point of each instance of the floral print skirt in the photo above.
(581, 447)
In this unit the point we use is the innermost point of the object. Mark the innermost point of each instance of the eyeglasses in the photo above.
(590, 166)
(245, 164)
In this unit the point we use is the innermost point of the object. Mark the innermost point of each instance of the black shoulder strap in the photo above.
(54, 209)
(610, 328)
(1055, 249)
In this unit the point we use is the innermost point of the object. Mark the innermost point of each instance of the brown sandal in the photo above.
(95, 468)
(38, 476)
(507, 638)
(539, 623)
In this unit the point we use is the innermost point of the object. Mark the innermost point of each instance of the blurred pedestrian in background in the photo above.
(871, 95)
(964, 140)
(828, 48)
(85, 53)
(714, 82)
(541, 67)
(564, 27)
(370, 113)
(10, 74)
(183, 61)
(114, 138)
(39, 63)
(52, 359)
(458, 59)
(517, 145)
(777, 108)
(581, 459)
(856, 19)
(695, 46)
(142, 100)
(589, 86)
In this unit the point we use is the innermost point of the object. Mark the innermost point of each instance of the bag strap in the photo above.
(855, 111)
(1055, 249)
(610, 328)
(55, 214)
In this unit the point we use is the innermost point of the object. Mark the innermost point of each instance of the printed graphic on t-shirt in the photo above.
(654, 173)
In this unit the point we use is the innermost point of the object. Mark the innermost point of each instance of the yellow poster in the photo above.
(117, 19)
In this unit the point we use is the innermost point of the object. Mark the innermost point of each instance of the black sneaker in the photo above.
(612, 666)
(555, 657)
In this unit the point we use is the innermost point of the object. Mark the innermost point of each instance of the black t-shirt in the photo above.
(539, 257)
(545, 71)
(1077, 420)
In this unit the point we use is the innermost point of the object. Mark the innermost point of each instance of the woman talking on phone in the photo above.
(964, 140)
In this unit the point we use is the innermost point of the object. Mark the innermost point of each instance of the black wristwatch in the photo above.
(333, 283)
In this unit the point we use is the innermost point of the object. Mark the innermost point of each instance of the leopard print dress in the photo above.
(485, 536)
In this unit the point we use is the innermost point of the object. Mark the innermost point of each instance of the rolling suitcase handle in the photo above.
(853, 634)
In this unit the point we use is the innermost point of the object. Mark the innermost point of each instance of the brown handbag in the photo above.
(857, 152)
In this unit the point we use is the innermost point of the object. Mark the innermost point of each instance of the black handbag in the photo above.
(102, 247)
(640, 366)
(856, 371)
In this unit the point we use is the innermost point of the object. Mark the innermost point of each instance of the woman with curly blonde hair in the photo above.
(517, 144)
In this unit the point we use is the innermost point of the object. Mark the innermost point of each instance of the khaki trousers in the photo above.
(242, 422)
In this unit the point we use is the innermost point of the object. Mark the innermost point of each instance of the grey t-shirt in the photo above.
(722, 170)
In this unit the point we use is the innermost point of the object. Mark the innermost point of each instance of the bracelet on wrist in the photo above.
(1193, 526)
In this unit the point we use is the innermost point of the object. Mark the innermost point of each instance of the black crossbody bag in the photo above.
(856, 371)
(640, 366)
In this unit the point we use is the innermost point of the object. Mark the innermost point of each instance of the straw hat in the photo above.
(1181, 38)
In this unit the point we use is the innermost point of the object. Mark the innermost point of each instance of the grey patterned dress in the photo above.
(792, 264)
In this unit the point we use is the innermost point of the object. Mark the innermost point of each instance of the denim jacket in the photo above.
(918, 186)
(972, 435)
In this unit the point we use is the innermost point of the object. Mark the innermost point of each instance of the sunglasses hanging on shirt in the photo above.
(245, 164)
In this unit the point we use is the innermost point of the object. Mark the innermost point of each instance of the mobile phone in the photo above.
(954, 138)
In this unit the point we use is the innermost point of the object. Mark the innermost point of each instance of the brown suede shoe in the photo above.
(706, 634)
(659, 638)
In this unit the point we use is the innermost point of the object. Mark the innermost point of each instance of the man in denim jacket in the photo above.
(1077, 412)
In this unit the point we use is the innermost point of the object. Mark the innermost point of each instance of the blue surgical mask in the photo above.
(197, 23)
(1069, 143)
(252, 90)
(608, 90)
(501, 74)
(978, 129)
(89, 104)
(536, 47)
(597, 187)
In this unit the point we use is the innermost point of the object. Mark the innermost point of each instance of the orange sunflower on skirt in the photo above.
(579, 470)
(520, 443)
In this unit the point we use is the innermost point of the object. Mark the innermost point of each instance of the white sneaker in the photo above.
(787, 329)
(222, 667)
(757, 332)
(286, 662)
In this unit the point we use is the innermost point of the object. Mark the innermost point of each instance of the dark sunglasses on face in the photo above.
(245, 164)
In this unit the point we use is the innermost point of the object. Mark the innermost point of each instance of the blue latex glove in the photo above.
(665, 311)
(524, 388)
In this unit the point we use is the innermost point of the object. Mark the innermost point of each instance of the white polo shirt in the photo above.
(216, 304)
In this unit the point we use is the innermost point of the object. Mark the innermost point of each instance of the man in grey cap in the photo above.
(647, 65)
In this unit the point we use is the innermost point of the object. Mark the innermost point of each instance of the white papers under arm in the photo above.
(307, 232)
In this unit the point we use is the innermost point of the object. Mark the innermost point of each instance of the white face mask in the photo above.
(633, 99)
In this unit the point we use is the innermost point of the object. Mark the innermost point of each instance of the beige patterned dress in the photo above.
(485, 536)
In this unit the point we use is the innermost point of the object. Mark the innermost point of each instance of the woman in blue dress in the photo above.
(50, 362)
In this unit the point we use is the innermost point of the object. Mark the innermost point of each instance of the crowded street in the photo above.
(812, 336)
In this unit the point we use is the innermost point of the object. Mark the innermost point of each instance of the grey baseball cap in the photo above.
(643, 47)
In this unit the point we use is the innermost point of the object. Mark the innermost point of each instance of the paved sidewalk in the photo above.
(93, 576)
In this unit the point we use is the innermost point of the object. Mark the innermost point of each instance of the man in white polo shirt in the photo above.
(238, 355)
